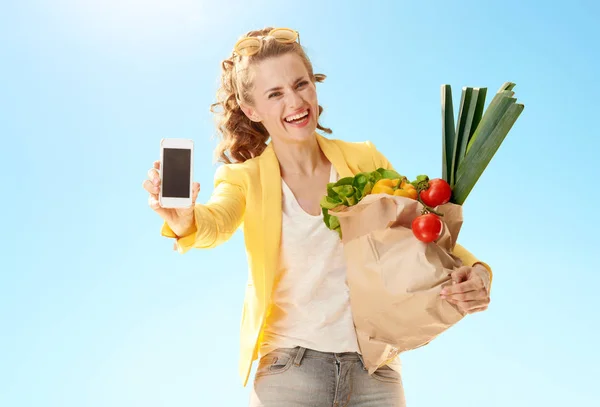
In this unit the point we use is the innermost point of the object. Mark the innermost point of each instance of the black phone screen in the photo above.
(176, 173)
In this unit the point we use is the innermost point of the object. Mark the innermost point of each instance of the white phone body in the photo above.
(176, 172)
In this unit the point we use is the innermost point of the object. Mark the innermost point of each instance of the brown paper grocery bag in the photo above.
(395, 279)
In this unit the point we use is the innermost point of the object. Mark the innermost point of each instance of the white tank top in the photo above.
(311, 302)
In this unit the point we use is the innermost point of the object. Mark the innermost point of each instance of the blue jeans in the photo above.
(302, 377)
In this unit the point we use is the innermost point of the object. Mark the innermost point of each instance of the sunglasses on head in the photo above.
(251, 45)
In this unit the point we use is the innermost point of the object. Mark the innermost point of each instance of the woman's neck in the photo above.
(300, 159)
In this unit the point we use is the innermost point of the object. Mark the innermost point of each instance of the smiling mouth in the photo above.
(297, 118)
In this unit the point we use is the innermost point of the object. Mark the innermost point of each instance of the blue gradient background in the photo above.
(97, 310)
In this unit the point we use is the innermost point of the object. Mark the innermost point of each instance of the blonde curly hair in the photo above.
(241, 138)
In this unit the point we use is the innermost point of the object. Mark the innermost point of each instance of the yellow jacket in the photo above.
(249, 193)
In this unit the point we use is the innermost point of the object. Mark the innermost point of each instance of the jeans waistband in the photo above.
(299, 353)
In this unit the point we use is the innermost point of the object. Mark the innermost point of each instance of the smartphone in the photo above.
(176, 172)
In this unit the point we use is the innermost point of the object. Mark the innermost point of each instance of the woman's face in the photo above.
(285, 98)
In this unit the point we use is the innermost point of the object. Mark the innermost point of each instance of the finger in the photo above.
(195, 191)
(468, 296)
(153, 202)
(473, 310)
(483, 273)
(461, 274)
(154, 177)
(157, 164)
(151, 188)
(470, 306)
(480, 309)
(465, 287)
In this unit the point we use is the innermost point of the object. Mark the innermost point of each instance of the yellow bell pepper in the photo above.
(402, 192)
(407, 190)
(382, 189)
(385, 186)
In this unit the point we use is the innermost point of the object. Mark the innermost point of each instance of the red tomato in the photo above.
(427, 228)
(438, 193)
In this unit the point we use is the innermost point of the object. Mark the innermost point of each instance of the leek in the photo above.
(482, 152)
(448, 133)
(469, 124)
(468, 149)
(461, 124)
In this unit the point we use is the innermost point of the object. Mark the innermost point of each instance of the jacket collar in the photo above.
(335, 155)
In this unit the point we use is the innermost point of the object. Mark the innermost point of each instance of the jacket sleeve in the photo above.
(459, 251)
(379, 159)
(218, 219)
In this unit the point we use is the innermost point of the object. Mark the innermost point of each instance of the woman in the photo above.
(296, 316)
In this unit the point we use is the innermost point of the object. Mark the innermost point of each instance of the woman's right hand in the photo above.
(180, 220)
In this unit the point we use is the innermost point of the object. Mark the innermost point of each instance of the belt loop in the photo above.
(362, 361)
(299, 356)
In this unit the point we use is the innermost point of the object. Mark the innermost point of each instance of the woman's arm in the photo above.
(218, 219)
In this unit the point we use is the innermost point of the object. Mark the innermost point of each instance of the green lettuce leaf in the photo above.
(328, 202)
(388, 174)
(348, 191)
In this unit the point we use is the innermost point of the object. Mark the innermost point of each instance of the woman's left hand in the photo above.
(470, 289)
